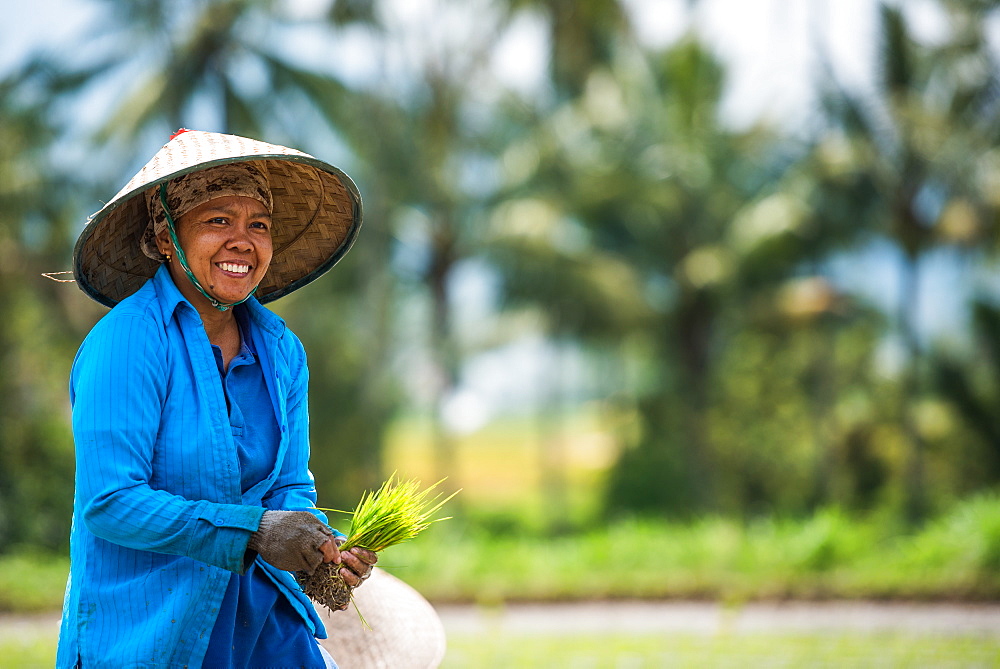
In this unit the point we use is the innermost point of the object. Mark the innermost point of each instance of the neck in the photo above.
(223, 331)
(217, 323)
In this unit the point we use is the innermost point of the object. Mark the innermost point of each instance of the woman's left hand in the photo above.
(357, 562)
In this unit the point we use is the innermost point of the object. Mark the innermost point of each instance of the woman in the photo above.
(194, 503)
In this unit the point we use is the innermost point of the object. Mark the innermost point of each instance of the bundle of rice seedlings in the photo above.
(396, 512)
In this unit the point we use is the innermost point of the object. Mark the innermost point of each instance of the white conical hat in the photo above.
(404, 630)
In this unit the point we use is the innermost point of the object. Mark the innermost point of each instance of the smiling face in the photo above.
(227, 242)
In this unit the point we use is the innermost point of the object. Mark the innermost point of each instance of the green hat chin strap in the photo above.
(182, 259)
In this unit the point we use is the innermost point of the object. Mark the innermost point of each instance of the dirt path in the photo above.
(14, 626)
(671, 617)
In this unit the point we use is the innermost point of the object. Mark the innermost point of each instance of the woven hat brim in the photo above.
(317, 216)
(405, 632)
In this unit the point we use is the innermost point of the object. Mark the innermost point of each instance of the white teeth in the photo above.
(233, 267)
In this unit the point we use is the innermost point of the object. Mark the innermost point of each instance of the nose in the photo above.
(240, 239)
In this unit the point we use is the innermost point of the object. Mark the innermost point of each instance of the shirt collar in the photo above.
(171, 299)
(264, 318)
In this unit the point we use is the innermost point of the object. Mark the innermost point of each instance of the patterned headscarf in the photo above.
(184, 193)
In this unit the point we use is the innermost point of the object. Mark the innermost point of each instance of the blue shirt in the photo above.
(160, 517)
(255, 627)
(254, 427)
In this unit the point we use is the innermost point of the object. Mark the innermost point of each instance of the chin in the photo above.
(231, 298)
(226, 297)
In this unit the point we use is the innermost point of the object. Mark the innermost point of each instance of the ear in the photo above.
(163, 242)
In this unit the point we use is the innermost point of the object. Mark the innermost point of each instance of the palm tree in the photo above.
(912, 140)
(168, 64)
(641, 171)
(972, 389)
(674, 222)
(583, 36)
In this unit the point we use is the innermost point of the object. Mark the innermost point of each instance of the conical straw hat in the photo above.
(405, 630)
(316, 217)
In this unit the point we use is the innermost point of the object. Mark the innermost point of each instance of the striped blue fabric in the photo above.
(160, 521)
(255, 626)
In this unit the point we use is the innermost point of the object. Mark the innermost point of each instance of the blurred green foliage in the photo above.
(828, 555)
(687, 265)
(32, 582)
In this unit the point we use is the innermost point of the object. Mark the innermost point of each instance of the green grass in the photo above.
(619, 651)
(737, 651)
(32, 582)
(26, 654)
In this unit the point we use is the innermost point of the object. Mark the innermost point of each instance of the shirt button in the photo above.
(282, 428)
(218, 521)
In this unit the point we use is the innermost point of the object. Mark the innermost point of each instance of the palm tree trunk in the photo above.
(821, 394)
(695, 320)
(551, 446)
(374, 393)
(444, 353)
(915, 497)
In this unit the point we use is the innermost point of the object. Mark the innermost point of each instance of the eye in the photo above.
(261, 225)
(218, 220)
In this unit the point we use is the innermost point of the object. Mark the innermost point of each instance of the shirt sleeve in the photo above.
(118, 390)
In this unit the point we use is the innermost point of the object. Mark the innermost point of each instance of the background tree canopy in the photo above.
(738, 315)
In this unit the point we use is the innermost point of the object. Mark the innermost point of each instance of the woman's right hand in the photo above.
(357, 563)
(292, 540)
